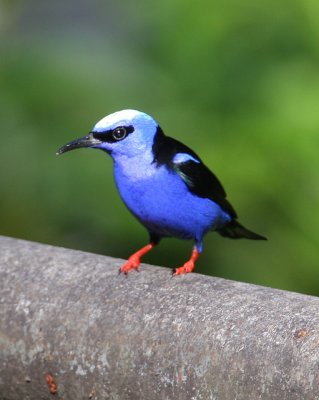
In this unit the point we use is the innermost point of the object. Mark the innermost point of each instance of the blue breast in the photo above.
(162, 202)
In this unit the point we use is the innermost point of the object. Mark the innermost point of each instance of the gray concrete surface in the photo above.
(103, 336)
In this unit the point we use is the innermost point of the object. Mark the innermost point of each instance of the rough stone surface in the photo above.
(147, 336)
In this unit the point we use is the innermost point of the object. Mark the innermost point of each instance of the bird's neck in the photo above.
(136, 168)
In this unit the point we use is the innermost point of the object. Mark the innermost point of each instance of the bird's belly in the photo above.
(165, 206)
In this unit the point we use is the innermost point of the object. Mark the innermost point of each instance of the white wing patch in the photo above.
(180, 158)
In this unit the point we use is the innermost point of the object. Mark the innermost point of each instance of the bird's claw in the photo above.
(184, 269)
(131, 263)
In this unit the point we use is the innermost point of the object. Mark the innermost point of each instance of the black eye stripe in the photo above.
(108, 135)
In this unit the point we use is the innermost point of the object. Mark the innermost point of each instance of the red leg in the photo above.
(135, 260)
(189, 266)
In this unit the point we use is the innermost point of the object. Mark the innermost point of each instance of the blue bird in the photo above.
(164, 184)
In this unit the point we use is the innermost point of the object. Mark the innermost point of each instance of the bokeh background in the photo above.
(238, 81)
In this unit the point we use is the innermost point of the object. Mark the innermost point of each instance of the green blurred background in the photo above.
(238, 81)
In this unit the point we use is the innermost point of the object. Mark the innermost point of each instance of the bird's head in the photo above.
(127, 132)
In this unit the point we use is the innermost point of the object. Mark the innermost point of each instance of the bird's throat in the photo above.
(134, 169)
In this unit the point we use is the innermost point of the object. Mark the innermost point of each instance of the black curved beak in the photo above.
(86, 141)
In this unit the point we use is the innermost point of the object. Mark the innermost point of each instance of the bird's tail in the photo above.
(235, 230)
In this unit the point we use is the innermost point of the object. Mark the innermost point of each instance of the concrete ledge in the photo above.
(69, 318)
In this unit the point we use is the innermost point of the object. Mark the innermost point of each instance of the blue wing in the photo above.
(185, 162)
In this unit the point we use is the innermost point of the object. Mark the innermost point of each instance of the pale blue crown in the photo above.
(139, 141)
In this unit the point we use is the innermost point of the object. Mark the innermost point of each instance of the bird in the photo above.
(163, 183)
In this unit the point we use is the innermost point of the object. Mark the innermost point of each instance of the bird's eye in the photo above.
(119, 133)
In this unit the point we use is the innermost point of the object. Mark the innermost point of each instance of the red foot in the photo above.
(132, 263)
(135, 260)
(189, 266)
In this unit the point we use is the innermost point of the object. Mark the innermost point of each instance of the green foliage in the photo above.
(237, 81)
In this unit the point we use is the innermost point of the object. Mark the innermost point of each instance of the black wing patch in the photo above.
(199, 179)
(202, 182)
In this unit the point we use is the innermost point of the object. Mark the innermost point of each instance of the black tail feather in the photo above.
(235, 230)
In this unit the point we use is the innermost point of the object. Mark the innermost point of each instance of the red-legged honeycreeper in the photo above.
(163, 183)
